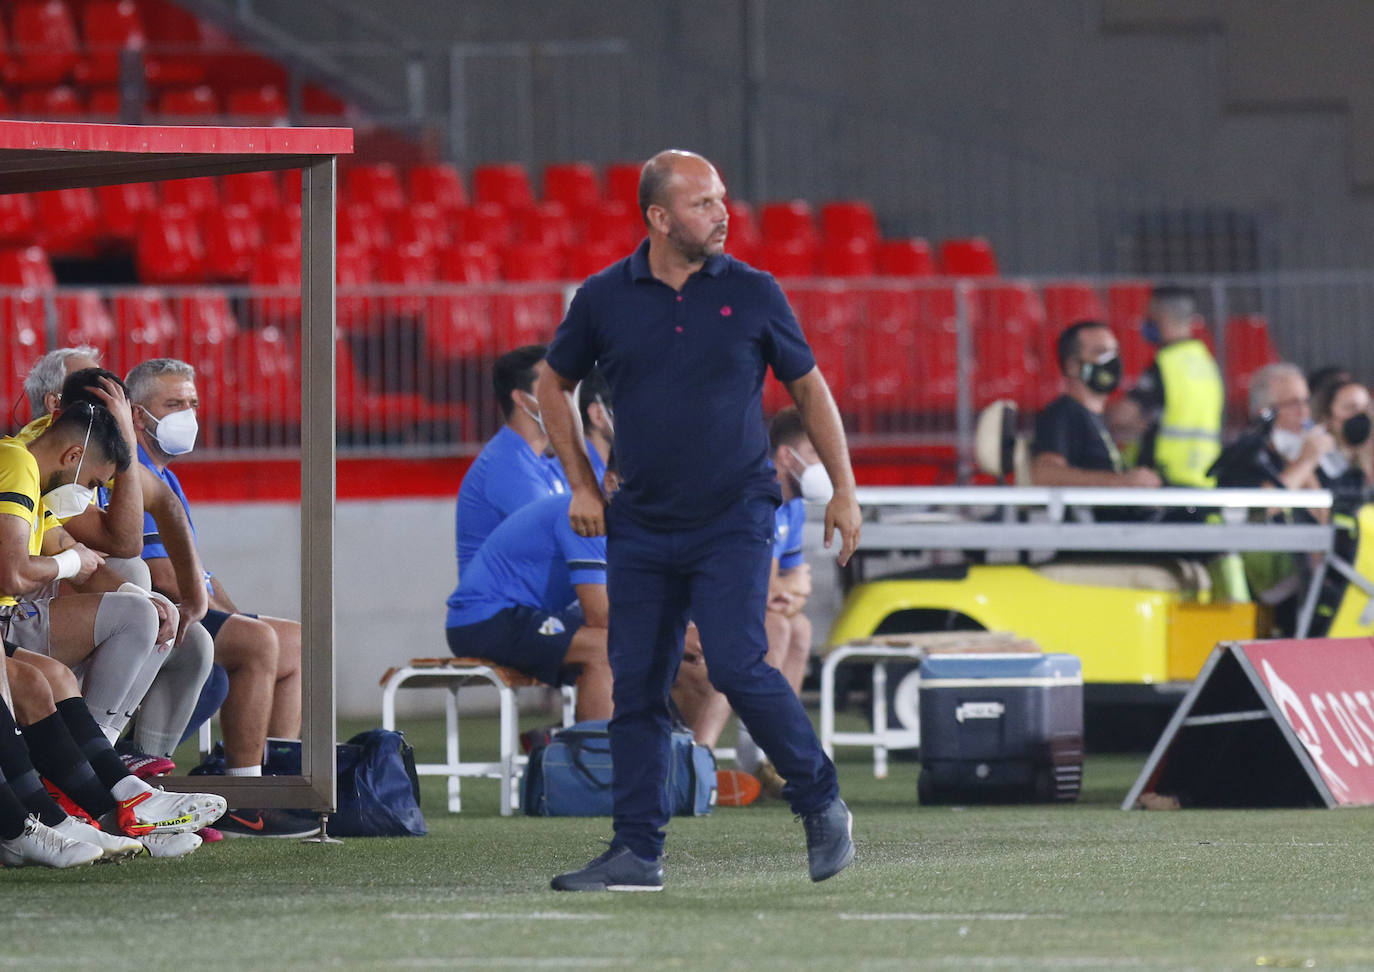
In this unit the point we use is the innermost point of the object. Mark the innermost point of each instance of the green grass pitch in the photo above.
(1079, 886)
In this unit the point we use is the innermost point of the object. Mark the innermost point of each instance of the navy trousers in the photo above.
(718, 575)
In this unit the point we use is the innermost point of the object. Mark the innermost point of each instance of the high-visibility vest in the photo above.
(1189, 436)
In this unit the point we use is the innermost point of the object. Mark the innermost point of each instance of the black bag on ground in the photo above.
(379, 793)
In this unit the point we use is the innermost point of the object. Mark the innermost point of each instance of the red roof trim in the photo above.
(173, 140)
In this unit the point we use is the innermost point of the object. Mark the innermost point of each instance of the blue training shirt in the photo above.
(506, 475)
(686, 374)
(788, 522)
(532, 559)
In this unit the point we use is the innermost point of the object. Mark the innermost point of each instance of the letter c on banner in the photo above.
(1344, 707)
(1289, 701)
(1320, 707)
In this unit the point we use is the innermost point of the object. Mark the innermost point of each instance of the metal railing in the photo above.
(911, 361)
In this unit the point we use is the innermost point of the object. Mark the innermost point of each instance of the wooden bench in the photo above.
(453, 674)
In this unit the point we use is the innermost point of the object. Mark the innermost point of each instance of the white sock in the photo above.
(243, 771)
(172, 697)
(128, 788)
(124, 661)
(747, 752)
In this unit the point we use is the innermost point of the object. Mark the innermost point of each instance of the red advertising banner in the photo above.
(1323, 689)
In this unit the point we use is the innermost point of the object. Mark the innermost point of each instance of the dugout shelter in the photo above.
(38, 156)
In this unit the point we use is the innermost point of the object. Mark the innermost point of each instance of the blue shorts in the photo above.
(530, 640)
(214, 620)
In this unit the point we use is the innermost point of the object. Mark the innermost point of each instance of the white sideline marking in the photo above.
(947, 916)
(513, 962)
(497, 916)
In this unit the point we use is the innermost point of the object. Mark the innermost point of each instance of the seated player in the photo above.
(511, 470)
(261, 655)
(107, 528)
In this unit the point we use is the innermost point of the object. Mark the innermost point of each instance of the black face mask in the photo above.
(1102, 376)
(1355, 430)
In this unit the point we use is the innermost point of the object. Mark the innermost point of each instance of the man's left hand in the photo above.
(842, 514)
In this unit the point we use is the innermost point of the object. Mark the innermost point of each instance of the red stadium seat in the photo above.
(386, 416)
(613, 221)
(261, 104)
(169, 248)
(852, 257)
(265, 365)
(199, 195)
(43, 42)
(375, 185)
(504, 183)
(232, 239)
(410, 265)
(1007, 345)
(206, 320)
(105, 103)
(353, 269)
(122, 205)
(1065, 303)
(549, 224)
(422, 223)
(1127, 301)
(109, 27)
(787, 221)
(468, 263)
(58, 102)
(26, 273)
(282, 227)
(743, 228)
(317, 102)
(485, 223)
(589, 258)
(68, 221)
(1249, 347)
(439, 184)
(829, 318)
(531, 261)
(362, 225)
(83, 318)
(574, 184)
(277, 267)
(260, 191)
(16, 218)
(199, 102)
(849, 220)
(967, 258)
(788, 258)
(622, 182)
(905, 258)
(145, 326)
(937, 348)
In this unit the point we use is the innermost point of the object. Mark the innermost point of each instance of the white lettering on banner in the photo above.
(1344, 714)
(979, 710)
(1320, 707)
(1360, 701)
(1289, 702)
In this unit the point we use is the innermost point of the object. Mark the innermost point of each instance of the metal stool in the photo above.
(453, 674)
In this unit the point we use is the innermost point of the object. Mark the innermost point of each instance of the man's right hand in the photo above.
(1142, 478)
(90, 562)
(1317, 443)
(587, 512)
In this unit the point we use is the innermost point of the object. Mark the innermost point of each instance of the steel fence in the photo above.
(911, 361)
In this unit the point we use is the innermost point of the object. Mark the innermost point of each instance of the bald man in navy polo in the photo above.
(684, 335)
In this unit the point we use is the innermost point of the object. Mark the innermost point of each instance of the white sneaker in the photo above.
(39, 844)
(167, 813)
(170, 845)
(115, 847)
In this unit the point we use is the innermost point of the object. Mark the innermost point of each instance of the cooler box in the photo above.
(1001, 728)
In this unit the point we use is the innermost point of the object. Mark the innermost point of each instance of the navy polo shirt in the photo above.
(686, 374)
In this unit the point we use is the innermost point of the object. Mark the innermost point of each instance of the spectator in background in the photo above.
(1320, 380)
(511, 469)
(262, 655)
(1342, 408)
(1295, 446)
(1072, 446)
(1180, 395)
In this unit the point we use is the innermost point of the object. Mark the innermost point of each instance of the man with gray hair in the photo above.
(261, 655)
(1294, 440)
(43, 383)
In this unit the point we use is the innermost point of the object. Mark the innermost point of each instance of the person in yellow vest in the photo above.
(1181, 390)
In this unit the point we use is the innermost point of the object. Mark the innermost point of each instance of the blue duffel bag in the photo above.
(571, 775)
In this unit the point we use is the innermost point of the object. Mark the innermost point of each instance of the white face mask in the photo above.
(537, 416)
(1287, 443)
(72, 499)
(176, 431)
(814, 481)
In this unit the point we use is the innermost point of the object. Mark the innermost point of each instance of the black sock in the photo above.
(13, 816)
(109, 768)
(56, 756)
(21, 776)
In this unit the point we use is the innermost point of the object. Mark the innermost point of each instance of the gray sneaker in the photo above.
(829, 841)
(619, 869)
